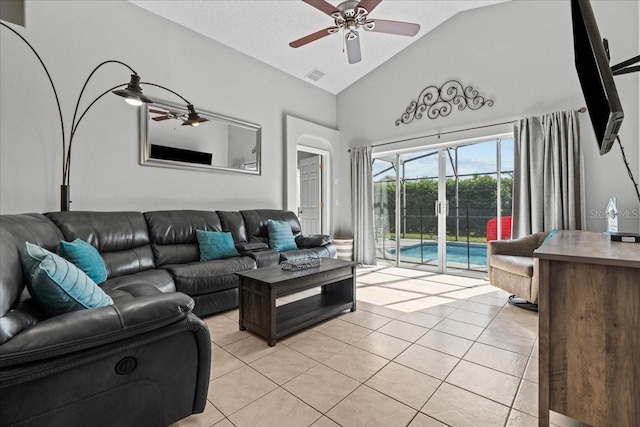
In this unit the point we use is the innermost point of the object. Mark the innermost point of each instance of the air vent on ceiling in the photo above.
(315, 75)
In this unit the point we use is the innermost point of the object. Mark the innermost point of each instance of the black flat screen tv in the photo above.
(596, 78)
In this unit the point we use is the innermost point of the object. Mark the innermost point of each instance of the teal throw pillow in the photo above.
(85, 257)
(57, 285)
(215, 245)
(550, 236)
(281, 236)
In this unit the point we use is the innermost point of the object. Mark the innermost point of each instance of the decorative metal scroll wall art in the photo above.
(439, 101)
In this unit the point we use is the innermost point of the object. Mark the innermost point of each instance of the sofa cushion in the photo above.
(158, 278)
(15, 230)
(132, 291)
(121, 238)
(173, 234)
(255, 222)
(11, 283)
(204, 277)
(280, 236)
(215, 245)
(85, 257)
(57, 285)
(233, 222)
(522, 266)
(17, 310)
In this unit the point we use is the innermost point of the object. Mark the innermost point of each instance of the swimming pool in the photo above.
(456, 252)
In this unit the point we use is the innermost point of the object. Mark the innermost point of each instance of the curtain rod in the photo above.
(579, 110)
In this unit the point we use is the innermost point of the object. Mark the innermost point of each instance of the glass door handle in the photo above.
(442, 208)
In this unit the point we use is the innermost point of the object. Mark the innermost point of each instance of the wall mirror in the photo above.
(218, 144)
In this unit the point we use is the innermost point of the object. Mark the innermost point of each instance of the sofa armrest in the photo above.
(313, 241)
(523, 246)
(85, 329)
(251, 246)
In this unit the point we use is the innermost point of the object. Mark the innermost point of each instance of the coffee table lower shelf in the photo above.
(305, 312)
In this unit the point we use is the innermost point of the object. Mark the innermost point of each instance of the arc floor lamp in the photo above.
(132, 94)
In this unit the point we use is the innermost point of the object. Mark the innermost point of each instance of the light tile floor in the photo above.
(422, 349)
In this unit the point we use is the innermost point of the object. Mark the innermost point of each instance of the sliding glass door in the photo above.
(384, 208)
(418, 190)
(437, 207)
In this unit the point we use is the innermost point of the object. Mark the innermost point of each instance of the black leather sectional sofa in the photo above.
(144, 360)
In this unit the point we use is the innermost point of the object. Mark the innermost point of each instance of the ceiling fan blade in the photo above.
(369, 5)
(313, 37)
(353, 49)
(322, 6)
(160, 118)
(395, 27)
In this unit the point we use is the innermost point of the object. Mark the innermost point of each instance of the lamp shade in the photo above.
(133, 92)
(194, 118)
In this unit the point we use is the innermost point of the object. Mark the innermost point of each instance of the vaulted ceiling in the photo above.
(263, 29)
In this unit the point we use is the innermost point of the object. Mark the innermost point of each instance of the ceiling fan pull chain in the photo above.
(344, 38)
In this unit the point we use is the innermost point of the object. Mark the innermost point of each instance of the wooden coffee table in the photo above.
(260, 288)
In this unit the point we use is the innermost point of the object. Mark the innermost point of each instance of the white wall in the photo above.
(72, 37)
(519, 53)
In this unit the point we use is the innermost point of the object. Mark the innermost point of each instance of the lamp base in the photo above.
(65, 197)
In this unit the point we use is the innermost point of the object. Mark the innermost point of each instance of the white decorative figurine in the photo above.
(612, 215)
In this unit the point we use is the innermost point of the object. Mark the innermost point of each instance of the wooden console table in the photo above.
(589, 311)
(260, 288)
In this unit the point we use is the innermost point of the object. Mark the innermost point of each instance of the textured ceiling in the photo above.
(263, 29)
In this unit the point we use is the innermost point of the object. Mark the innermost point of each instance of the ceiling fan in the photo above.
(350, 16)
(166, 115)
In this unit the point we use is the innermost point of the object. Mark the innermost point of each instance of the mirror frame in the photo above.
(145, 144)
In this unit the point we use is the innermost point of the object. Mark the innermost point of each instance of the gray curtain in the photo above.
(547, 190)
(364, 250)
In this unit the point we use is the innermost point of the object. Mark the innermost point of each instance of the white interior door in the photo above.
(310, 195)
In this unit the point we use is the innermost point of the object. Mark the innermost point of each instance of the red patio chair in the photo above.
(492, 228)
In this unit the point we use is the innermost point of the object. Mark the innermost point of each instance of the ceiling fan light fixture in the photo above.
(353, 47)
(361, 14)
(351, 35)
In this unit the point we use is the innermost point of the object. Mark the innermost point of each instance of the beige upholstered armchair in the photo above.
(511, 267)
